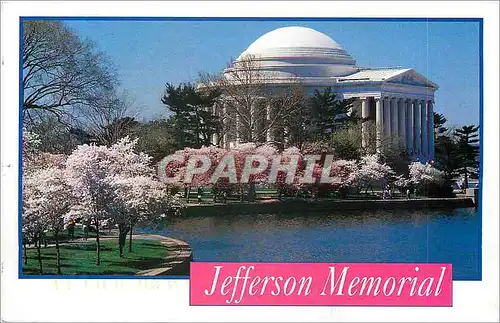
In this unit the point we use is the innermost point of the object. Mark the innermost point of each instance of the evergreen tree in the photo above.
(439, 121)
(329, 113)
(446, 157)
(193, 120)
(467, 151)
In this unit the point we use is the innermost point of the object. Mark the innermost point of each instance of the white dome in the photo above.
(290, 37)
(300, 52)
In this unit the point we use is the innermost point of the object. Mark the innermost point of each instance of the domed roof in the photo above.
(290, 37)
(299, 52)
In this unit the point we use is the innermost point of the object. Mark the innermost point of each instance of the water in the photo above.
(442, 236)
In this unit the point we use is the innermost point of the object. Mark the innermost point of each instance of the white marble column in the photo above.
(379, 122)
(225, 126)
(215, 137)
(387, 117)
(409, 126)
(402, 122)
(430, 113)
(253, 123)
(416, 124)
(365, 113)
(394, 118)
(269, 131)
(286, 135)
(424, 128)
(238, 127)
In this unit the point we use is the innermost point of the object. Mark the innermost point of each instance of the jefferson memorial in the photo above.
(399, 101)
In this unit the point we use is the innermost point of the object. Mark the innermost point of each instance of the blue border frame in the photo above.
(131, 18)
(277, 19)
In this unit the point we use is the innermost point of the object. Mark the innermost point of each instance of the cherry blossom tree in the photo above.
(401, 182)
(369, 171)
(90, 170)
(286, 170)
(329, 173)
(244, 165)
(423, 175)
(252, 165)
(47, 198)
(136, 199)
(191, 167)
(32, 224)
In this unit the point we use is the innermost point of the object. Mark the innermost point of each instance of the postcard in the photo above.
(180, 162)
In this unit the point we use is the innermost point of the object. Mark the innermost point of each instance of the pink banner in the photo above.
(320, 284)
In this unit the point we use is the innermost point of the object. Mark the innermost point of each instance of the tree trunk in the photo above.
(58, 252)
(122, 236)
(39, 252)
(98, 243)
(251, 192)
(130, 238)
(466, 178)
(25, 253)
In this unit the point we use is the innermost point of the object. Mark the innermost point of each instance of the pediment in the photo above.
(411, 77)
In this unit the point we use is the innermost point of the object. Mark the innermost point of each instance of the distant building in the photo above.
(398, 101)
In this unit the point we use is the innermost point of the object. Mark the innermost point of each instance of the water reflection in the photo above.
(445, 236)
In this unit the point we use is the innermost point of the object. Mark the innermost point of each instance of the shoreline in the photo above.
(177, 263)
(303, 205)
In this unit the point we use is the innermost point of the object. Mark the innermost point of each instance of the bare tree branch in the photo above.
(247, 91)
(62, 74)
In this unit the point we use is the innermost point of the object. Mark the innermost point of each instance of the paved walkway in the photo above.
(177, 261)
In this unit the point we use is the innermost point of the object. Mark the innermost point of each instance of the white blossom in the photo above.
(424, 173)
(47, 199)
(370, 170)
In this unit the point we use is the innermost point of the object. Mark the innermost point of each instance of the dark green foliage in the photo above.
(444, 189)
(439, 121)
(446, 156)
(346, 141)
(396, 157)
(328, 113)
(468, 152)
(192, 119)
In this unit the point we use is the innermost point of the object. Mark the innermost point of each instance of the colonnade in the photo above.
(409, 120)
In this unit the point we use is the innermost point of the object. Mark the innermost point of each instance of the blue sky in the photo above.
(150, 53)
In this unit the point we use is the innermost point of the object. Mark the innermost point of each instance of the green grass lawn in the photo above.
(79, 258)
(63, 235)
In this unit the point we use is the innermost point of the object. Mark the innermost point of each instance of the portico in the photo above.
(405, 121)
